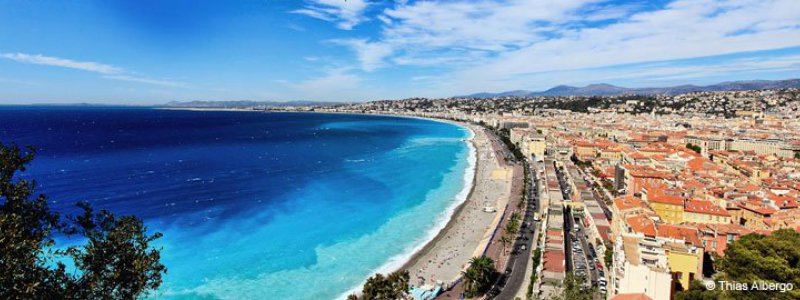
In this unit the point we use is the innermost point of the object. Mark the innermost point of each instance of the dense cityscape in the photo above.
(657, 187)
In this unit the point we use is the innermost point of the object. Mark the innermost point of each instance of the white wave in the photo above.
(396, 262)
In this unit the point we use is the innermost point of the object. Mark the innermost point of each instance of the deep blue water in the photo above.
(252, 205)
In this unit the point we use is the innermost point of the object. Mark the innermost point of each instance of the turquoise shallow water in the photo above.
(255, 205)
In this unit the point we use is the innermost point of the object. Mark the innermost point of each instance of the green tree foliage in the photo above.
(478, 276)
(380, 287)
(535, 260)
(504, 136)
(573, 289)
(697, 291)
(773, 258)
(505, 240)
(512, 227)
(116, 261)
(694, 148)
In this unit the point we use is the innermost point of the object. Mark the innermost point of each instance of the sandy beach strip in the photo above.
(470, 227)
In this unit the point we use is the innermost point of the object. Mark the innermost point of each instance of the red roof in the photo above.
(688, 234)
(604, 232)
(757, 207)
(701, 164)
(704, 207)
(553, 261)
(666, 199)
(638, 296)
(643, 224)
(627, 202)
(784, 202)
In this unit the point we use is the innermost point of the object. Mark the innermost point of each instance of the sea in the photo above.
(254, 205)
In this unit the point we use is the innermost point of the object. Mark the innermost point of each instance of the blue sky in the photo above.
(153, 51)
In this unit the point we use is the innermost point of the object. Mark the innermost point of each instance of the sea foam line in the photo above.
(396, 262)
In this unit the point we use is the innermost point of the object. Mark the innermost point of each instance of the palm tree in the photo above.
(505, 240)
(374, 287)
(380, 287)
(514, 217)
(511, 228)
(470, 281)
(478, 275)
(398, 283)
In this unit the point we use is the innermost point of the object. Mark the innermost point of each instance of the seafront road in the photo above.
(507, 192)
(470, 228)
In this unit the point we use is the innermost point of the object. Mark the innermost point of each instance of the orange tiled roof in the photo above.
(701, 164)
(726, 228)
(623, 203)
(686, 233)
(637, 296)
(667, 199)
(642, 224)
(784, 202)
(757, 207)
(553, 261)
(704, 207)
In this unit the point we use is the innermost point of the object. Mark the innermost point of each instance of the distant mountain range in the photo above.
(243, 104)
(603, 89)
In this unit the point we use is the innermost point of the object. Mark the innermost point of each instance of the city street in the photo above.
(518, 262)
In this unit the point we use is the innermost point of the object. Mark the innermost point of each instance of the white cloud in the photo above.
(684, 29)
(346, 14)
(429, 33)
(610, 12)
(705, 70)
(61, 62)
(17, 82)
(490, 44)
(337, 84)
(315, 13)
(108, 71)
(370, 55)
(131, 78)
